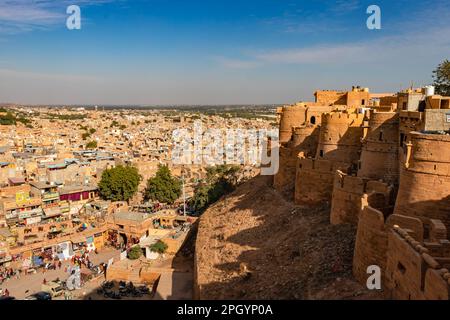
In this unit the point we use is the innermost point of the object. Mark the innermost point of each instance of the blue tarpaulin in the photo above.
(37, 261)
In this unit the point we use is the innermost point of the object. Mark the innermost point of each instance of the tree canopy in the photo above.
(163, 187)
(135, 252)
(119, 183)
(159, 246)
(91, 145)
(441, 78)
(220, 180)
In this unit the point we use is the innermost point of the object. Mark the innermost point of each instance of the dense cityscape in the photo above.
(241, 158)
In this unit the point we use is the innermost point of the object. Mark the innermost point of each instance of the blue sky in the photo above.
(214, 51)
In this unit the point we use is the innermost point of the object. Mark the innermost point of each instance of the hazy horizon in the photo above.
(165, 53)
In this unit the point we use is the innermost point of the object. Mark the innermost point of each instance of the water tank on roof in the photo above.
(429, 91)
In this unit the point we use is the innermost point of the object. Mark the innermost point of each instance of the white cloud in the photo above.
(414, 47)
(345, 6)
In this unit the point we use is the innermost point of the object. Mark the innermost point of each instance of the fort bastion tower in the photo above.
(377, 168)
(299, 129)
(379, 156)
(425, 181)
(338, 147)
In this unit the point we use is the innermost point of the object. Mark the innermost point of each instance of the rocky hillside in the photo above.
(253, 244)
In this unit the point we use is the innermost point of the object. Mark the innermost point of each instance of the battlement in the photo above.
(413, 115)
(377, 118)
(319, 165)
(348, 194)
(314, 180)
(348, 118)
(291, 116)
(406, 233)
(430, 148)
(417, 270)
(375, 221)
(359, 185)
(356, 97)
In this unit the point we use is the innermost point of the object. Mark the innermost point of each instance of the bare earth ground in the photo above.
(292, 252)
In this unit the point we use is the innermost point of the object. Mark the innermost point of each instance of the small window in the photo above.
(363, 102)
(422, 106)
(313, 120)
(381, 136)
(321, 153)
(402, 138)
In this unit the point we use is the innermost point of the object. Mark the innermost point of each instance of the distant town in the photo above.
(60, 230)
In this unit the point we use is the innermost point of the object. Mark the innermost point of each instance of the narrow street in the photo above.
(29, 284)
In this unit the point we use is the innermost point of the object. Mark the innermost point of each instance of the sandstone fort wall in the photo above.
(425, 179)
(379, 156)
(347, 196)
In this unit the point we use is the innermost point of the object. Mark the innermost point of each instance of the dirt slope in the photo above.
(291, 252)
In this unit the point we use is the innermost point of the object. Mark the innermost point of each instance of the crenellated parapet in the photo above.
(291, 116)
(348, 194)
(304, 140)
(314, 180)
(374, 223)
(418, 269)
(340, 137)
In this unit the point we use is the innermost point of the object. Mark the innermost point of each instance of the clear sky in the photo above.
(214, 51)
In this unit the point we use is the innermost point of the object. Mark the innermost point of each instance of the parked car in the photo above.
(40, 296)
(53, 288)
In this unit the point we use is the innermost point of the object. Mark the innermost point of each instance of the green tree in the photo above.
(92, 131)
(7, 119)
(159, 247)
(91, 145)
(85, 135)
(163, 187)
(200, 200)
(441, 78)
(119, 183)
(135, 253)
(220, 180)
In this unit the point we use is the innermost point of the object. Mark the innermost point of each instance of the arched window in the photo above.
(313, 120)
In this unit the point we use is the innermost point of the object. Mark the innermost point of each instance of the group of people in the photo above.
(82, 260)
(4, 293)
(53, 265)
(8, 273)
